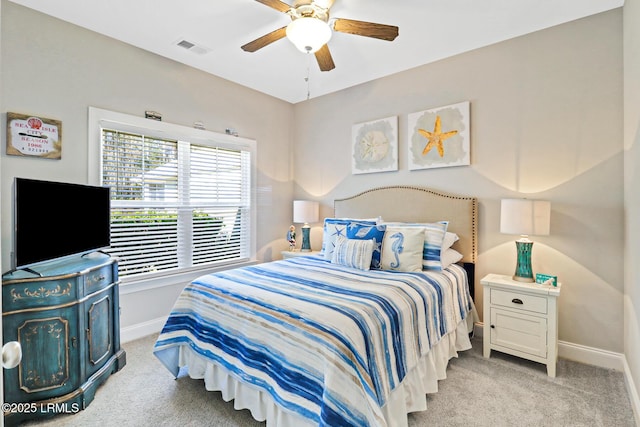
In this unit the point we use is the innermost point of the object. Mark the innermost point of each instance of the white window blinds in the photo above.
(175, 204)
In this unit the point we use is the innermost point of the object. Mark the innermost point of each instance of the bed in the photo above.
(326, 340)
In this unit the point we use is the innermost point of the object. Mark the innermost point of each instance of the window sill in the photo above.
(132, 285)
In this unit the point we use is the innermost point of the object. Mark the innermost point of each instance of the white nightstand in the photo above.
(291, 254)
(521, 319)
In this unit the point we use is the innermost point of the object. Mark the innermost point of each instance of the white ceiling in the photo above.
(429, 30)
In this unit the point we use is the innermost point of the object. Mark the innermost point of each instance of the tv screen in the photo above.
(55, 219)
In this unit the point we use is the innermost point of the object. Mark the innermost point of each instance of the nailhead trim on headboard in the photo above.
(472, 200)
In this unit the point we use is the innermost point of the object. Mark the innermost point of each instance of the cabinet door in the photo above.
(519, 331)
(50, 348)
(99, 319)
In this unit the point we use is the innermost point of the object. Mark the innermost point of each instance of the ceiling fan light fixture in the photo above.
(308, 34)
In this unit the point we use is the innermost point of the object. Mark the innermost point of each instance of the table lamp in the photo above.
(305, 211)
(526, 218)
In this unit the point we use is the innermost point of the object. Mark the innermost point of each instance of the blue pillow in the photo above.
(366, 231)
(334, 227)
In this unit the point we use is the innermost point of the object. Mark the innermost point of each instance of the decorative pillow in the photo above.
(449, 257)
(334, 227)
(352, 253)
(361, 231)
(433, 239)
(434, 236)
(449, 240)
(402, 248)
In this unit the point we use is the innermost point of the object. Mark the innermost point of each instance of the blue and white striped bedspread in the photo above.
(327, 342)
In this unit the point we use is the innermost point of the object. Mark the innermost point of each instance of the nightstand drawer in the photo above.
(97, 279)
(33, 294)
(519, 301)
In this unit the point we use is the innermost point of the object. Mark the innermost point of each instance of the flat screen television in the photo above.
(56, 219)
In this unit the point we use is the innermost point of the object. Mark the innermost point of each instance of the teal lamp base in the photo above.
(524, 273)
(306, 241)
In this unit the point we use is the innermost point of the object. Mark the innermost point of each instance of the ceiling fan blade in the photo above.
(265, 40)
(325, 61)
(367, 29)
(275, 4)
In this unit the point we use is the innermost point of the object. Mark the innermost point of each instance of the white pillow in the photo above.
(449, 240)
(449, 257)
(353, 253)
(402, 248)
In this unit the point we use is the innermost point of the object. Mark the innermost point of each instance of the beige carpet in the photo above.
(500, 391)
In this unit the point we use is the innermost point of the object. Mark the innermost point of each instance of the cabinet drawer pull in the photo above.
(517, 301)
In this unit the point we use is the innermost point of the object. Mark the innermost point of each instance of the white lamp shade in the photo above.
(308, 34)
(305, 211)
(525, 217)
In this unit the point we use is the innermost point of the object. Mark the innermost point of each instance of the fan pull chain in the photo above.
(307, 78)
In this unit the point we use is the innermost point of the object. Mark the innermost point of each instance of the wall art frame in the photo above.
(439, 137)
(374, 146)
(29, 135)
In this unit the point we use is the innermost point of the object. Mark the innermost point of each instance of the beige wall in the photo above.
(56, 70)
(546, 122)
(631, 27)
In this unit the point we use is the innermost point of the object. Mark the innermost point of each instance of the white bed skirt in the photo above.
(409, 396)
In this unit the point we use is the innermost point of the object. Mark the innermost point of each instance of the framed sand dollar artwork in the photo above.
(375, 146)
(29, 135)
(439, 137)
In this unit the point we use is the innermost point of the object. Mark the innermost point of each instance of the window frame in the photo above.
(100, 118)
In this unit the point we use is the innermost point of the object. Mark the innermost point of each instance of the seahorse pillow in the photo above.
(402, 248)
(434, 237)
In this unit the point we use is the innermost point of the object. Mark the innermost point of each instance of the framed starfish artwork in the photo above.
(439, 137)
(375, 146)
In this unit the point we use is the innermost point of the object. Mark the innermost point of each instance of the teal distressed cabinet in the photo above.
(65, 314)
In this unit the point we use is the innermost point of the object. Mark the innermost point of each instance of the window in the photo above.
(178, 202)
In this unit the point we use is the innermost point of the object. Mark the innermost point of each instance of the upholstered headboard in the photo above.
(415, 204)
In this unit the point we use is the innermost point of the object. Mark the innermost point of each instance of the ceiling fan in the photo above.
(310, 29)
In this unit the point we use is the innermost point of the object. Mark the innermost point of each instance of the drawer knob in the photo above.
(517, 301)
(493, 326)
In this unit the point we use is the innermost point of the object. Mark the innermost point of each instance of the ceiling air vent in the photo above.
(185, 44)
(192, 47)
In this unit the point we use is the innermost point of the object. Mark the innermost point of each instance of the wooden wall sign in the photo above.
(34, 136)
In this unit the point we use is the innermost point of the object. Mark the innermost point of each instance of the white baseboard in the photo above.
(591, 356)
(579, 353)
(140, 330)
(633, 391)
